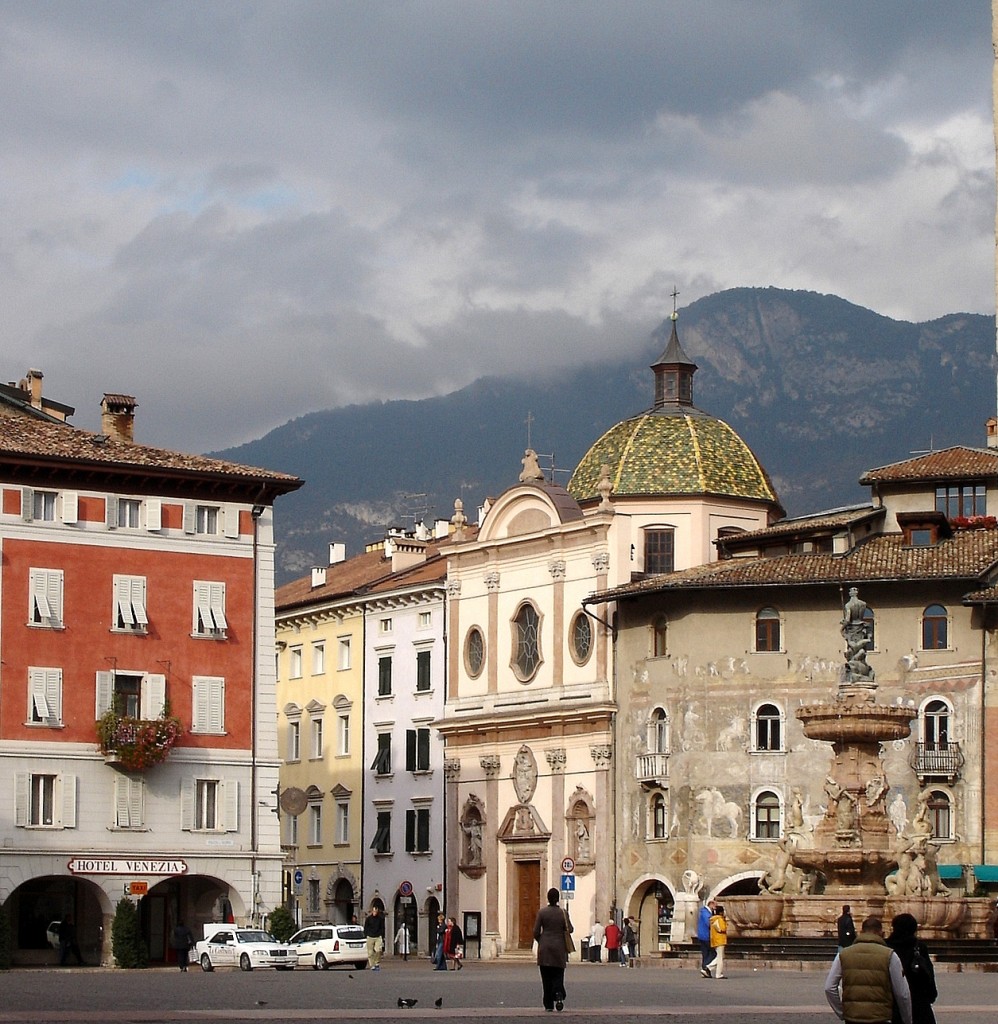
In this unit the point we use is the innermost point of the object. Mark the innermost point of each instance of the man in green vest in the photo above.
(866, 979)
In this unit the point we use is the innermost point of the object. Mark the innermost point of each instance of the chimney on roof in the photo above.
(318, 576)
(404, 552)
(992, 428)
(33, 383)
(337, 553)
(117, 419)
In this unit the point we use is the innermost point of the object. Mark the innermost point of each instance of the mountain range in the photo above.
(820, 388)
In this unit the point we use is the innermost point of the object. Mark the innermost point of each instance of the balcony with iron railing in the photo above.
(937, 761)
(652, 769)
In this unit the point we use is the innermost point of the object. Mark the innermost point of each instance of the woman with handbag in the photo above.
(453, 944)
(553, 935)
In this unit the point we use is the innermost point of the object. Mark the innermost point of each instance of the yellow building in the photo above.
(320, 694)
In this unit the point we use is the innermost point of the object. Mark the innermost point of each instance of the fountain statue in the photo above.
(855, 853)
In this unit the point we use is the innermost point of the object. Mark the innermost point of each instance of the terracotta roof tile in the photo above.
(967, 555)
(26, 437)
(832, 519)
(949, 464)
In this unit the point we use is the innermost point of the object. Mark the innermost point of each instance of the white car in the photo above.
(321, 945)
(225, 945)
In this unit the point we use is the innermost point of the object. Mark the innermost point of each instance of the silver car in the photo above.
(320, 945)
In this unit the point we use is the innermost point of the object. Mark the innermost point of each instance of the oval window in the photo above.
(582, 638)
(474, 652)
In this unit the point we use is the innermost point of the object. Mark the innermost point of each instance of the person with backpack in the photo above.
(917, 967)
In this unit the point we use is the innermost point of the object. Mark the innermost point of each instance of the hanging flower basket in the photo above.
(135, 744)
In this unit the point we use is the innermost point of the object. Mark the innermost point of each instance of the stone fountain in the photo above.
(854, 854)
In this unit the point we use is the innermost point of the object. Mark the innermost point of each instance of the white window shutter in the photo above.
(154, 514)
(123, 600)
(230, 521)
(105, 694)
(111, 511)
(137, 596)
(53, 591)
(53, 694)
(230, 805)
(22, 798)
(202, 607)
(153, 696)
(122, 805)
(187, 804)
(136, 802)
(199, 712)
(216, 601)
(27, 504)
(216, 705)
(68, 801)
(190, 517)
(38, 696)
(70, 508)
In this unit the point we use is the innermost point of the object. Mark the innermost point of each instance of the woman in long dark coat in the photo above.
(550, 931)
(914, 957)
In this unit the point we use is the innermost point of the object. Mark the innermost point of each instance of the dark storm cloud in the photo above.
(243, 211)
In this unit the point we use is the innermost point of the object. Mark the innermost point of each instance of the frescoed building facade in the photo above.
(716, 774)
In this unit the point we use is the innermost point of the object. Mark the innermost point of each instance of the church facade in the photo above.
(532, 760)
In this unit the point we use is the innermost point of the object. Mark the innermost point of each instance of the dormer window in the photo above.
(923, 529)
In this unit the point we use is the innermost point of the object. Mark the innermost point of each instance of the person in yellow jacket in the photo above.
(718, 940)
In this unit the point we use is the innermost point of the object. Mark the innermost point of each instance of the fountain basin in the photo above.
(844, 723)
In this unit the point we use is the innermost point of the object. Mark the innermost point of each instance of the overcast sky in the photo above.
(240, 212)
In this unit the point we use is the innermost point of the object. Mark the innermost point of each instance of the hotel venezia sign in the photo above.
(126, 866)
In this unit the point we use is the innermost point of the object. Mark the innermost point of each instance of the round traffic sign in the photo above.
(568, 865)
(299, 876)
(405, 889)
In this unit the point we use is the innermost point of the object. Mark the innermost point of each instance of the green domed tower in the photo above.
(674, 449)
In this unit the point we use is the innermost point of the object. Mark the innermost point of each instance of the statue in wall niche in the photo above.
(583, 848)
(472, 828)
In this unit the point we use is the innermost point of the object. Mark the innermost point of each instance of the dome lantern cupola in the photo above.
(673, 374)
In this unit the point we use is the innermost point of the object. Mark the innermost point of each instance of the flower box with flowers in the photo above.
(136, 744)
(973, 522)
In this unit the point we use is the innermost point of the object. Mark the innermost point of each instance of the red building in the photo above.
(137, 679)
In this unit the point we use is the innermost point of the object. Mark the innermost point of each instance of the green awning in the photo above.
(951, 870)
(985, 872)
